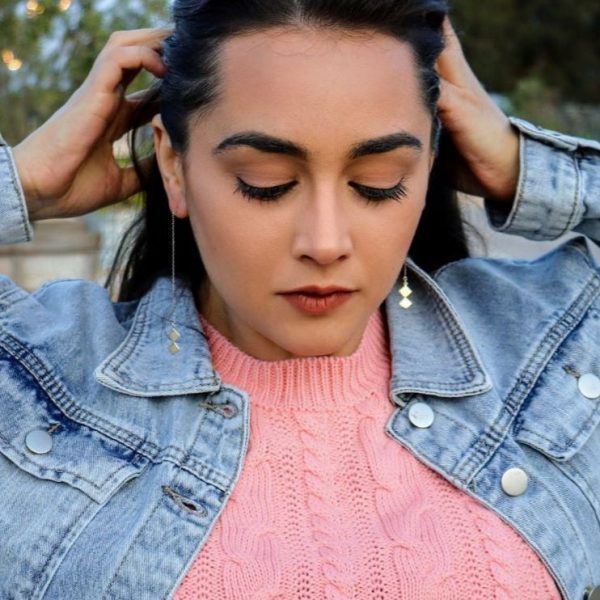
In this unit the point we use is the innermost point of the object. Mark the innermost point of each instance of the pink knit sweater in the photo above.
(329, 506)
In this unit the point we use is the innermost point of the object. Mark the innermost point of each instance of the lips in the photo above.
(314, 290)
(318, 300)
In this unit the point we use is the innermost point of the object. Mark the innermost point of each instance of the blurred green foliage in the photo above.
(57, 49)
(543, 56)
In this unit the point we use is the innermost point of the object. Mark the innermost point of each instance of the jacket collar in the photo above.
(431, 350)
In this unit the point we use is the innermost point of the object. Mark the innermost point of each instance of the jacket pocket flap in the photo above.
(74, 453)
(558, 419)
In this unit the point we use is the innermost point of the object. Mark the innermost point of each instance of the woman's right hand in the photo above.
(483, 158)
(67, 167)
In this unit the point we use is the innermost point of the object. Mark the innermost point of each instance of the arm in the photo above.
(558, 187)
(14, 218)
(66, 167)
(536, 183)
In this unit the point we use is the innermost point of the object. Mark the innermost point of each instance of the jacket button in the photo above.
(421, 415)
(514, 481)
(589, 386)
(592, 593)
(39, 441)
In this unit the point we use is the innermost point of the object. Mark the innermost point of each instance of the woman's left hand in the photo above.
(484, 151)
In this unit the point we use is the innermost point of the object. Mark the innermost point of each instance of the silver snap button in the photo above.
(589, 386)
(592, 593)
(515, 481)
(39, 441)
(421, 415)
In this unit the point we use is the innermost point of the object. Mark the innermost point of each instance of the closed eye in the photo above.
(272, 194)
(372, 194)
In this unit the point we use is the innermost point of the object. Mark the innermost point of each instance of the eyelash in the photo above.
(272, 194)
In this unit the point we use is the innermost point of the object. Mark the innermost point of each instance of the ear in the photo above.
(169, 163)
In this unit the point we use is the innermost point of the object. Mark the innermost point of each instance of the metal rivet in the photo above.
(515, 481)
(589, 386)
(421, 415)
(229, 410)
(39, 441)
(592, 593)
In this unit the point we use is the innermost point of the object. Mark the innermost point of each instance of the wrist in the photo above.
(509, 142)
(502, 146)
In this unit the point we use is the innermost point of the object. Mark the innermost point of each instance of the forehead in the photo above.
(303, 81)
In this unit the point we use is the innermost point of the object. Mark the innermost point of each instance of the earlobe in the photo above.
(169, 163)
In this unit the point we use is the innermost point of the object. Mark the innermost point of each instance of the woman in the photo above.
(278, 406)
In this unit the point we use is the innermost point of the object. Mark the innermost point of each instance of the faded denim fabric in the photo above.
(14, 222)
(148, 446)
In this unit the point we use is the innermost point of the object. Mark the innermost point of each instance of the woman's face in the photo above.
(321, 123)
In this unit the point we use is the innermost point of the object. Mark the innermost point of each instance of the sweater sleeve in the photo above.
(558, 188)
(14, 218)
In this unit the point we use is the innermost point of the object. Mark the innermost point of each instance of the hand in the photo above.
(482, 155)
(67, 167)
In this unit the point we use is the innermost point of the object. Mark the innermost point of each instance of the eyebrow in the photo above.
(274, 145)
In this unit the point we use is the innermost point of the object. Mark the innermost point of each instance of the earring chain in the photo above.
(173, 334)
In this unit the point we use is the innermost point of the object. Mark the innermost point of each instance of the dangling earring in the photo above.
(173, 334)
(405, 291)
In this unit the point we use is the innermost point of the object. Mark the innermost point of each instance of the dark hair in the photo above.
(191, 86)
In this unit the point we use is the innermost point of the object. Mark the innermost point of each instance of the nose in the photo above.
(322, 231)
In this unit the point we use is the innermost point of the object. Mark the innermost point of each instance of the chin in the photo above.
(313, 347)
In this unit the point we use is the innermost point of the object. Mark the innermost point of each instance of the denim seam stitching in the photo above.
(574, 205)
(455, 334)
(132, 543)
(457, 337)
(53, 553)
(582, 485)
(526, 380)
(524, 167)
(63, 401)
(557, 504)
(25, 461)
(127, 350)
(20, 194)
(581, 432)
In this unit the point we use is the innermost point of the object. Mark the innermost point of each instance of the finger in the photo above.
(139, 96)
(452, 64)
(142, 106)
(130, 183)
(445, 99)
(138, 110)
(111, 71)
(447, 102)
(151, 37)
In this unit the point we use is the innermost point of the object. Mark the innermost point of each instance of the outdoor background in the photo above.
(539, 59)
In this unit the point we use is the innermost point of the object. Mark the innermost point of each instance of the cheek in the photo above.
(386, 237)
(237, 242)
(390, 228)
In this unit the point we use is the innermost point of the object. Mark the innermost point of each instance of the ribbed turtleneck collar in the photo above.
(308, 383)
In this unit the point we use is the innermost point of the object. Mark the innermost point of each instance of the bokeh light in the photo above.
(11, 61)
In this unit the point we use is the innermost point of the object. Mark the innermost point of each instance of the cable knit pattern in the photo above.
(329, 506)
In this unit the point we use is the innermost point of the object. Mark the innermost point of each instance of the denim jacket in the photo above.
(117, 457)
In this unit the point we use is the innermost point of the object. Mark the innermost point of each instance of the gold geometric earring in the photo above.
(405, 291)
(173, 334)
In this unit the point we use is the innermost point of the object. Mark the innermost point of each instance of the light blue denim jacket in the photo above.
(146, 447)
